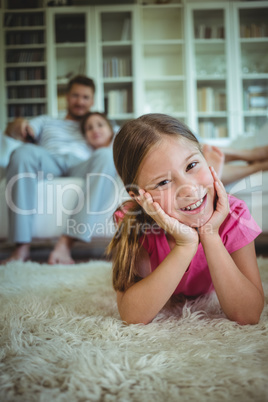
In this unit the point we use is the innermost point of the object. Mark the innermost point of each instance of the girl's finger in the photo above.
(216, 178)
(214, 173)
(146, 201)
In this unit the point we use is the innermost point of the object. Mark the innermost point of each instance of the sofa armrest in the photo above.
(254, 191)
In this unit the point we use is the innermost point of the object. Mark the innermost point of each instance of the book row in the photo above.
(211, 99)
(117, 67)
(26, 56)
(24, 38)
(25, 74)
(209, 32)
(23, 20)
(118, 101)
(254, 31)
(38, 91)
(207, 129)
(26, 110)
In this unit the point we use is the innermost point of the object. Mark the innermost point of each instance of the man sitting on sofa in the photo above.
(59, 150)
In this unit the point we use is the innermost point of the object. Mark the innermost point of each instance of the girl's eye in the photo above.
(191, 166)
(162, 183)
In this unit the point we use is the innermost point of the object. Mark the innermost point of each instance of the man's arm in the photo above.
(20, 130)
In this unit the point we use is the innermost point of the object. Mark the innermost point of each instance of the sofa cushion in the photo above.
(61, 197)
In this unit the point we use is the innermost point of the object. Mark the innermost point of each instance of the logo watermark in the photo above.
(102, 194)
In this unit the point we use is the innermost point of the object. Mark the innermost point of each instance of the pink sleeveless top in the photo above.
(238, 230)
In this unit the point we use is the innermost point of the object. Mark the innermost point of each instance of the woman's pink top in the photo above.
(238, 230)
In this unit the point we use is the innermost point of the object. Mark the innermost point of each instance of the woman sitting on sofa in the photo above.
(98, 133)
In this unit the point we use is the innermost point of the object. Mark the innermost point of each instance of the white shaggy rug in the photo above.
(62, 340)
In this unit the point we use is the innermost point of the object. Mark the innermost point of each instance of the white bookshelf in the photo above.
(163, 59)
(209, 35)
(115, 28)
(203, 62)
(68, 50)
(251, 43)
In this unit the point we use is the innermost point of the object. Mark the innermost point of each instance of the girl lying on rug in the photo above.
(181, 233)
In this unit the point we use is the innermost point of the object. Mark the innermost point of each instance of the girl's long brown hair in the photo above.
(135, 139)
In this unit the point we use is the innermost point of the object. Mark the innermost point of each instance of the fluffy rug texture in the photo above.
(62, 340)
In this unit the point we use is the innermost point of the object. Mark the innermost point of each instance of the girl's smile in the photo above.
(177, 176)
(196, 207)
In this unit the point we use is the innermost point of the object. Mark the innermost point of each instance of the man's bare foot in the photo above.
(214, 157)
(21, 253)
(62, 252)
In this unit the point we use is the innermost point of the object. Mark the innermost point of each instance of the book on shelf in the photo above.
(203, 31)
(220, 100)
(23, 20)
(25, 38)
(116, 67)
(207, 129)
(26, 56)
(29, 110)
(21, 92)
(211, 99)
(125, 35)
(220, 132)
(118, 101)
(205, 99)
(25, 73)
(256, 98)
(254, 30)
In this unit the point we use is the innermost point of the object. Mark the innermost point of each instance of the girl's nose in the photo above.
(187, 190)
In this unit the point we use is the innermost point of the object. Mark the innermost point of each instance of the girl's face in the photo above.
(98, 133)
(177, 176)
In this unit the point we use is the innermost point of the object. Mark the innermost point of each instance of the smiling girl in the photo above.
(97, 130)
(181, 233)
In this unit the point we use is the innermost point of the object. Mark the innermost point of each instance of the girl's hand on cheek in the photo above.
(184, 235)
(221, 210)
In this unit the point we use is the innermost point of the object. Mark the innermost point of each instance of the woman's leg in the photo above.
(232, 173)
(100, 191)
(247, 155)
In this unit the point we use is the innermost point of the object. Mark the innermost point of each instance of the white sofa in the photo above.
(48, 225)
(63, 196)
(254, 189)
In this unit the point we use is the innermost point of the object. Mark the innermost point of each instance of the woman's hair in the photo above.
(89, 114)
(131, 145)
